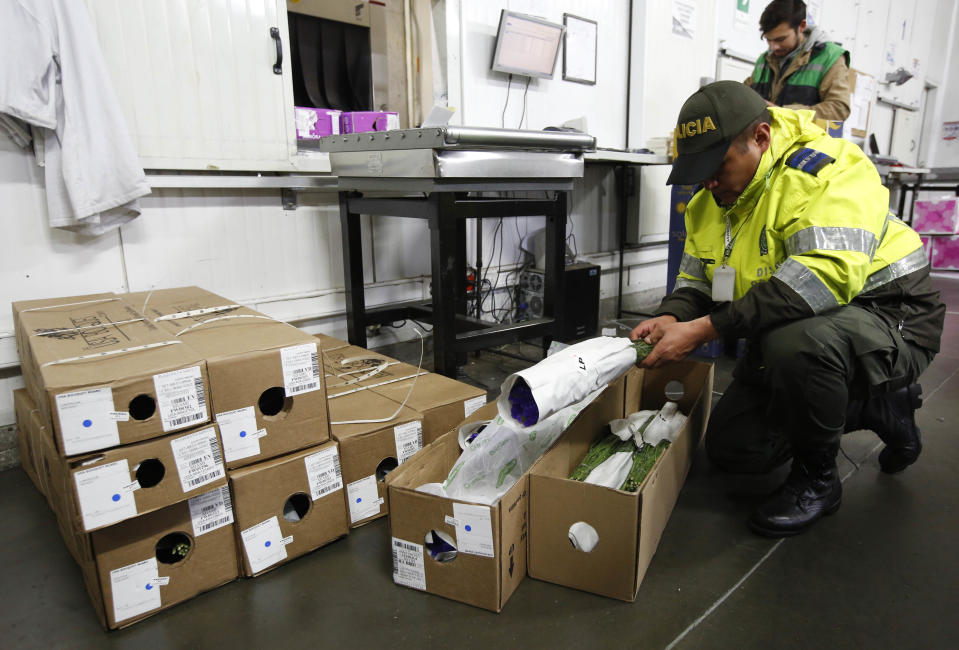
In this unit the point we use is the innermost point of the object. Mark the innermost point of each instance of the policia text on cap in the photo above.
(790, 245)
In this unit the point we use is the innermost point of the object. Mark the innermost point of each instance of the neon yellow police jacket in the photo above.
(810, 233)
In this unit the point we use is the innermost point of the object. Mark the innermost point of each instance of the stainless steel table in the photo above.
(447, 175)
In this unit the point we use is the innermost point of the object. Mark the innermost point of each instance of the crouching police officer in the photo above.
(790, 245)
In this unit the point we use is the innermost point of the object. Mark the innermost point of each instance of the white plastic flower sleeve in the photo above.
(568, 376)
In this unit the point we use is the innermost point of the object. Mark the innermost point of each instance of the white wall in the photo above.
(666, 70)
(944, 72)
(480, 94)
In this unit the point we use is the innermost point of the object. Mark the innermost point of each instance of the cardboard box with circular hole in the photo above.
(288, 506)
(370, 450)
(628, 525)
(266, 383)
(109, 486)
(475, 554)
(140, 566)
(155, 561)
(104, 375)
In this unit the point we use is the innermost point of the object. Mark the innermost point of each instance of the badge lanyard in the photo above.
(724, 277)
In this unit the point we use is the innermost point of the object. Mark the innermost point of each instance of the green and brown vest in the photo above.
(802, 85)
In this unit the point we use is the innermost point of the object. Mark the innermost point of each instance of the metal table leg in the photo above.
(444, 249)
(353, 273)
(554, 293)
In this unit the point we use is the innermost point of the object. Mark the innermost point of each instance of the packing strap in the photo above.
(73, 304)
(88, 327)
(100, 355)
(382, 383)
(196, 312)
(213, 320)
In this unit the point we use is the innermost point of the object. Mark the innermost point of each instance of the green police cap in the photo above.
(709, 121)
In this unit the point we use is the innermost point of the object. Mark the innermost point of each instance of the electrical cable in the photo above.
(419, 366)
(523, 115)
(503, 118)
(427, 329)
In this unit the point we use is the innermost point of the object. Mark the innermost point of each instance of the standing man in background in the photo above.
(801, 70)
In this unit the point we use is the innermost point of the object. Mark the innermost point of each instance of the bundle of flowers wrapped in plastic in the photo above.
(566, 377)
(622, 458)
(496, 455)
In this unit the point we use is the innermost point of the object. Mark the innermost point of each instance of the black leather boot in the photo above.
(892, 416)
(811, 491)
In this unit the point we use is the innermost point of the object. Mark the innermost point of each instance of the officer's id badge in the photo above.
(724, 281)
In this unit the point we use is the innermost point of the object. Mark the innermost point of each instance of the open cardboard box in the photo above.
(490, 559)
(629, 525)
(287, 507)
(266, 382)
(104, 375)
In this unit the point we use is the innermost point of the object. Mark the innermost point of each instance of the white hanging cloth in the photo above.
(53, 77)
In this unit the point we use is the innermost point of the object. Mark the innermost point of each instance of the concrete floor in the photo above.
(881, 573)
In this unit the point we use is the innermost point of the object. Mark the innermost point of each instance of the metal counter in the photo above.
(436, 174)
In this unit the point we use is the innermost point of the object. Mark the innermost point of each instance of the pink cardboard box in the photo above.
(936, 217)
(316, 123)
(366, 121)
(926, 245)
(945, 253)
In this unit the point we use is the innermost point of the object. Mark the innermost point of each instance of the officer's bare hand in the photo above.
(675, 341)
(651, 330)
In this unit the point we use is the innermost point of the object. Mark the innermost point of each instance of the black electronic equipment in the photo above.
(580, 318)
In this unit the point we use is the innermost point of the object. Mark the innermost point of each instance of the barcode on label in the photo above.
(216, 523)
(215, 449)
(200, 393)
(315, 361)
(405, 545)
(209, 476)
(195, 417)
(227, 499)
(336, 483)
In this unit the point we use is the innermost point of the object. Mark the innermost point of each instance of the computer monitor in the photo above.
(526, 45)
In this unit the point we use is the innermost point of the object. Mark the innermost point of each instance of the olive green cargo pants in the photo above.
(791, 389)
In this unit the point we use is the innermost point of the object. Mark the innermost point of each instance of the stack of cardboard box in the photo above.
(270, 404)
(182, 439)
(115, 427)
